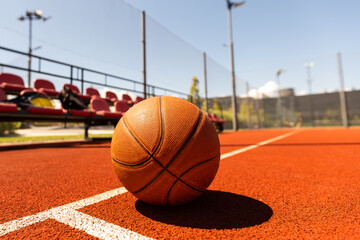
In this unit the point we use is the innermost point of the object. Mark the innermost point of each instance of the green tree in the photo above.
(216, 105)
(203, 107)
(194, 96)
(243, 115)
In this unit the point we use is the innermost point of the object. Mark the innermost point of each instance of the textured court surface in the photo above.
(271, 184)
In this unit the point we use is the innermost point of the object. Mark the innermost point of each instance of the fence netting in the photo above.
(172, 64)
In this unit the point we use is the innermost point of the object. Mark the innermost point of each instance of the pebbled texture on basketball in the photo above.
(165, 151)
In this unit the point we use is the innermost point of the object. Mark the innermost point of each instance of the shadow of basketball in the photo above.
(212, 210)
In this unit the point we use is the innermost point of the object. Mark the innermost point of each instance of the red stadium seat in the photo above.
(6, 107)
(121, 106)
(76, 90)
(111, 96)
(102, 108)
(128, 99)
(216, 119)
(219, 123)
(45, 86)
(2, 95)
(30, 90)
(209, 116)
(138, 99)
(11, 83)
(92, 92)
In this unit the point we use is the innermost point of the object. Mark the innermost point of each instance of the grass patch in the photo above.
(19, 139)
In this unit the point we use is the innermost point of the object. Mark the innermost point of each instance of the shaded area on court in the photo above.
(213, 210)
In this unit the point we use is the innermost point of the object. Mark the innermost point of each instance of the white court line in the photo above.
(23, 222)
(95, 199)
(241, 150)
(68, 215)
(93, 226)
(20, 223)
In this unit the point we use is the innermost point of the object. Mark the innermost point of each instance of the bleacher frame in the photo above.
(22, 116)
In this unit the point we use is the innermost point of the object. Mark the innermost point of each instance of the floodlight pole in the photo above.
(279, 98)
(308, 67)
(248, 106)
(205, 81)
(342, 93)
(31, 15)
(234, 102)
(30, 51)
(257, 108)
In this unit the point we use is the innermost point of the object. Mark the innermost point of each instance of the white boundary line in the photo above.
(76, 219)
(241, 150)
(93, 226)
(68, 214)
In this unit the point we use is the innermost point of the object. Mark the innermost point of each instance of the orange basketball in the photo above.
(165, 151)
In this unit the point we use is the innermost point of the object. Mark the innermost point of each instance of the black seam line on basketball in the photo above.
(150, 182)
(161, 135)
(150, 154)
(174, 157)
(198, 164)
(155, 151)
(141, 145)
(129, 165)
(161, 128)
(135, 138)
(179, 178)
(186, 141)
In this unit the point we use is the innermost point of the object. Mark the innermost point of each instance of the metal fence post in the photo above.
(257, 109)
(342, 93)
(82, 81)
(143, 40)
(248, 105)
(205, 81)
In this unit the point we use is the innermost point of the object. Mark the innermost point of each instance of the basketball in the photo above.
(165, 151)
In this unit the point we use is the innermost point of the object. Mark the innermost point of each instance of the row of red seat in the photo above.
(219, 123)
(14, 84)
(99, 106)
(214, 118)
(6, 107)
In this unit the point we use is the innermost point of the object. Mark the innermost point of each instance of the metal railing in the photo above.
(80, 75)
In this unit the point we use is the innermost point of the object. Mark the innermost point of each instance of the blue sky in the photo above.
(268, 36)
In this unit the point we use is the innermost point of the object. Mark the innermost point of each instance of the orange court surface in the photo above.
(271, 184)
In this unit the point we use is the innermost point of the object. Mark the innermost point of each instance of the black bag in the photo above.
(70, 99)
(24, 100)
